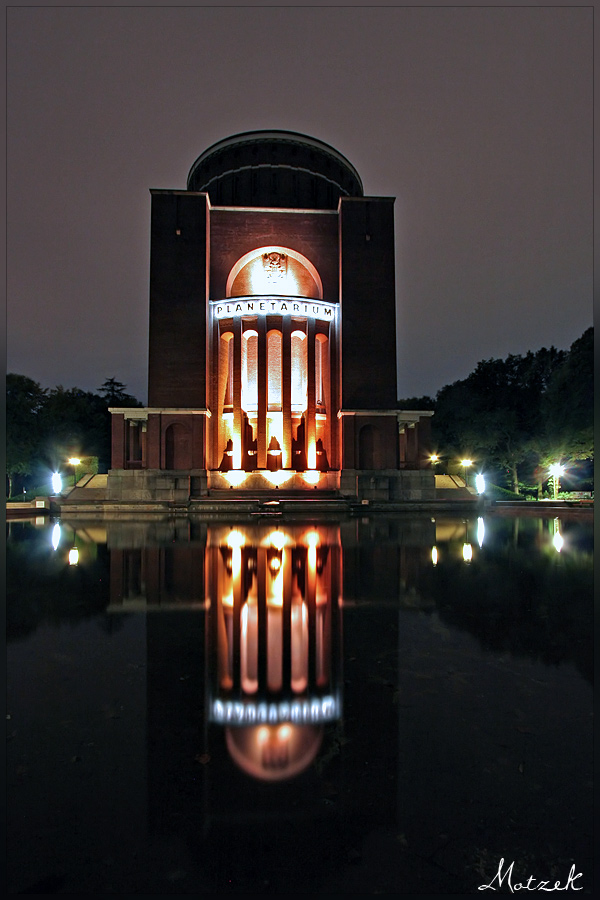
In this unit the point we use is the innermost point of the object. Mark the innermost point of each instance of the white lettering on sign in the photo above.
(225, 309)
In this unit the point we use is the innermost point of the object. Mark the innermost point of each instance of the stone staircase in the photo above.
(91, 488)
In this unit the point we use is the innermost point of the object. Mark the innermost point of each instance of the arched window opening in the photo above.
(274, 270)
(274, 371)
(250, 371)
(298, 379)
(321, 371)
(226, 369)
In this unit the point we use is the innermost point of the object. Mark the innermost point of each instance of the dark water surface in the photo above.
(384, 705)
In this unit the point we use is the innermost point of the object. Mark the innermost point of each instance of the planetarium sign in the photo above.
(273, 306)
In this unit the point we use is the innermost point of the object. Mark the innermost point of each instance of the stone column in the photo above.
(412, 449)
(262, 381)
(286, 392)
(237, 393)
(310, 411)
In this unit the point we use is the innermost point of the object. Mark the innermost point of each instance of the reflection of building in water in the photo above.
(273, 641)
(244, 670)
(272, 648)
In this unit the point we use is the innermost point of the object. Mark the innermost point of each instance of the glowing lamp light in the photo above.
(312, 476)
(74, 461)
(467, 552)
(73, 556)
(465, 463)
(479, 483)
(434, 458)
(277, 477)
(56, 483)
(556, 470)
(55, 536)
(235, 539)
(277, 539)
(434, 555)
(312, 539)
(235, 477)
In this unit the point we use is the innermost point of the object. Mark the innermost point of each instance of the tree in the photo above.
(25, 401)
(114, 394)
(75, 423)
(495, 413)
(568, 403)
(418, 403)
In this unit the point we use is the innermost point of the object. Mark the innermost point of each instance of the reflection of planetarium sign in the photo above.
(272, 336)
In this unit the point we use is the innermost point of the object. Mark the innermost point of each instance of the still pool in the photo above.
(397, 705)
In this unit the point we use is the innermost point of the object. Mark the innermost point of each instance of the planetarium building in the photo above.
(272, 336)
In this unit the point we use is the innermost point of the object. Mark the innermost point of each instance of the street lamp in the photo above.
(465, 463)
(74, 461)
(556, 470)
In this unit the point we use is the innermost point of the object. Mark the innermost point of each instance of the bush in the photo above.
(494, 492)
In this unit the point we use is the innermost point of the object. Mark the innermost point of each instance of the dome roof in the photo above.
(274, 169)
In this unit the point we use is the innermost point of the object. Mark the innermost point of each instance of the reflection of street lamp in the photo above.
(74, 551)
(557, 540)
(56, 536)
(556, 470)
(74, 461)
(467, 550)
(465, 463)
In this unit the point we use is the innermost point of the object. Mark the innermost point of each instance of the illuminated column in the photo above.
(237, 393)
(333, 423)
(263, 373)
(325, 349)
(311, 436)
(215, 401)
(286, 389)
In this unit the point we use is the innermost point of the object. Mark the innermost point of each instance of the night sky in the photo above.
(477, 119)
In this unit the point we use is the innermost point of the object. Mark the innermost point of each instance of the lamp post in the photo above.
(465, 464)
(556, 470)
(74, 461)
